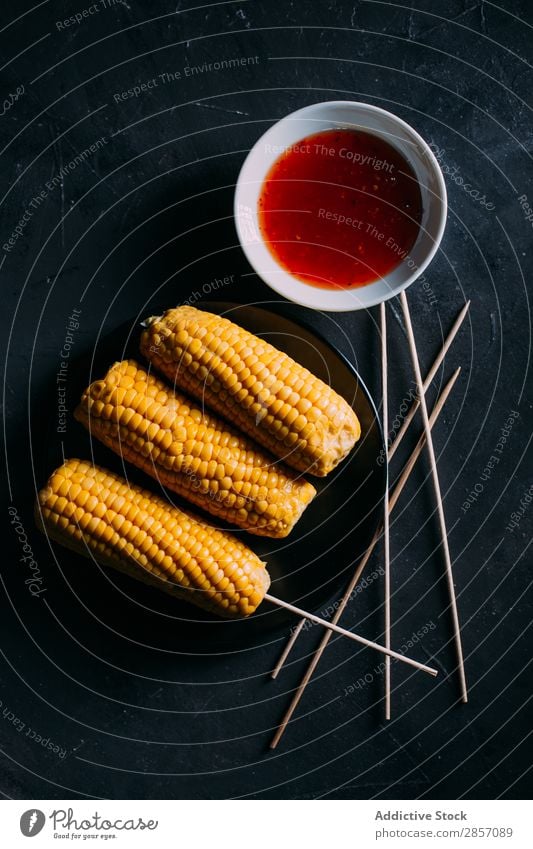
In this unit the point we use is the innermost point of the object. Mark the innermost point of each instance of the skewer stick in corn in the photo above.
(438, 498)
(393, 500)
(333, 628)
(99, 514)
(258, 388)
(391, 451)
(191, 452)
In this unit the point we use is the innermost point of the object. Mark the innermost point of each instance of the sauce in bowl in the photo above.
(340, 209)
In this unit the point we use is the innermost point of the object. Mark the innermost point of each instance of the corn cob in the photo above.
(263, 391)
(97, 513)
(192, 453)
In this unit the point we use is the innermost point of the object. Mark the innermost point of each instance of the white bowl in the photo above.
(314, 119)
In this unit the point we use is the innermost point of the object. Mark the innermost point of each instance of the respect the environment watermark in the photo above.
(40, 197)
(366, 228)
(177, 75)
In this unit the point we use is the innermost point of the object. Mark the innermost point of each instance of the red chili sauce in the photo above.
(340, 209)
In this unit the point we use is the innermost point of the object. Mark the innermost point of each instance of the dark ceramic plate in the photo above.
(308, 569)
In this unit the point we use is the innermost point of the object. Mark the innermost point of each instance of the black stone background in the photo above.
(146, 221)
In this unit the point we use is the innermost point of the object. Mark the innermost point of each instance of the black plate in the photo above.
(308, 568)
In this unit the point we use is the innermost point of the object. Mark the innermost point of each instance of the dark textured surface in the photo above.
(145, 221)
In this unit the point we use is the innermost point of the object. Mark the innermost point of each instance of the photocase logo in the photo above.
(32, 822)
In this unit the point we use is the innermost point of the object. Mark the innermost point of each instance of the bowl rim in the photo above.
(337, 300)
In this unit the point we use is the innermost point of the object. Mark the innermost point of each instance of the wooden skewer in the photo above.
(295, 633)
(331, 626)
(429, 377)
(400, 435)
(438, 496)
(386, 525)
(402, 480)
(419, 447)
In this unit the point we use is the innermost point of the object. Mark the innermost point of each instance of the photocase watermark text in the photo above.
(11, 99)
(408, 400)
(34, 581)
(66, 820)
(453, 174)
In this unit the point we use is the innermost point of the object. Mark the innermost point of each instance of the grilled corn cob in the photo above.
(256, 387)
(192, 453)
(97, 513)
